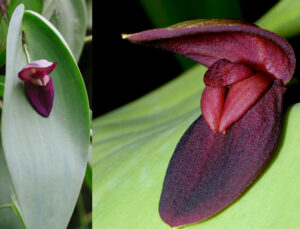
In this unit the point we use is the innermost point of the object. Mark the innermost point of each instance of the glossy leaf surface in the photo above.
(48, 163)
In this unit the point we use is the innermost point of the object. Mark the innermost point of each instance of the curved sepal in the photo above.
(209, 40)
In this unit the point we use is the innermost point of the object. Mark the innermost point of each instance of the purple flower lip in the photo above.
(38, 85)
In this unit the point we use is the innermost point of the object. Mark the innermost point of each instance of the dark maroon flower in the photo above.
(39, 85)
(233, 140)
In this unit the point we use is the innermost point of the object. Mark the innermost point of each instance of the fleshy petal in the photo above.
(224, 73)
(41, 97)
(208, 170)
(241, 96)
(212, 102)
(35, 67)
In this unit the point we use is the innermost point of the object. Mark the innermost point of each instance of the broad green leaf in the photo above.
(8, 218)
(131, 150)
(133, 145)
(35, 5)
(164, 13)
(48, 7)
(70, 18)
(283, 18)
(46, 157)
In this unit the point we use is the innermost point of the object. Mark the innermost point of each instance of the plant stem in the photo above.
(25, 47)
(16, 210)
(88, 39)
(5, 206)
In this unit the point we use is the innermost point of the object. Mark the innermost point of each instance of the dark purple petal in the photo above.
(41, 97)
(208, 170)
(34, 69)
(207, 41)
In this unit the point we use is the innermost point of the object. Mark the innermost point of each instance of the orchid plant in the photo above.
(231, 166)
(45, 115)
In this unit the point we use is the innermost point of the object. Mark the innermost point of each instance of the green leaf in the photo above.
(2, 81)
(48, 7)
(70, 18)
(168, 12)
(283, 18)
(88, 177)
(132, 148)
(46, 157)
(8, 218)
(35, 5)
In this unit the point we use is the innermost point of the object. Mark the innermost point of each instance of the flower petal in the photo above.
(212, 102)
(241, 96)
(41, 97)
(224, 73)
(208, 170)
(35, 67)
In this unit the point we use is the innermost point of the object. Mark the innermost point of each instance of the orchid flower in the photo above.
(229, 145)
(39, 85)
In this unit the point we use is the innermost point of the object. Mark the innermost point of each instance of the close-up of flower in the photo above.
(39, 85)
(210, 141)
(227, 147)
